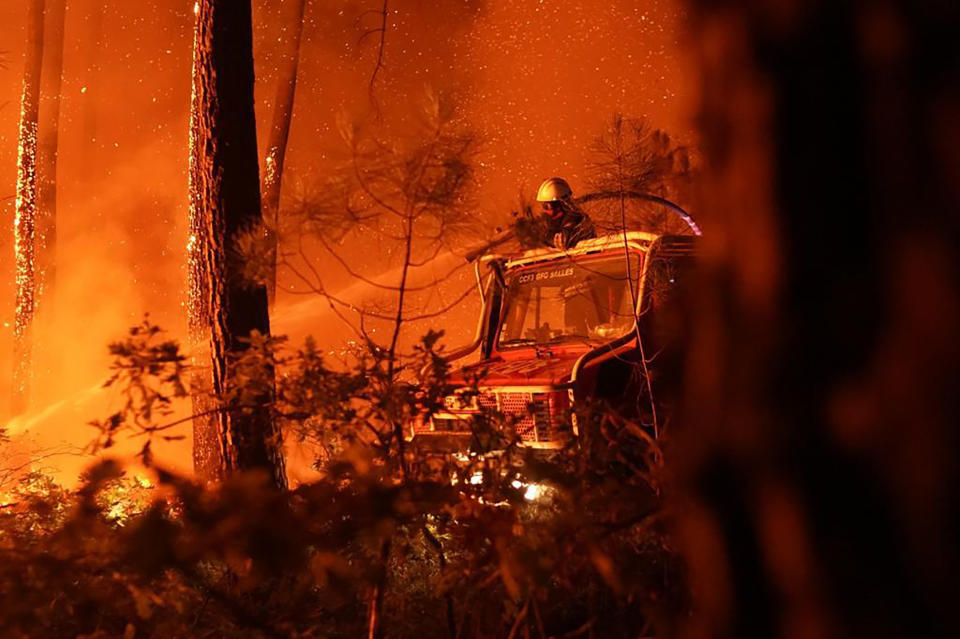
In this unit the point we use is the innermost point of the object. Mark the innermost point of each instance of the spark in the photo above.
(24, 245)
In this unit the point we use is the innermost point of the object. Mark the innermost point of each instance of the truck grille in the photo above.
(538, 417)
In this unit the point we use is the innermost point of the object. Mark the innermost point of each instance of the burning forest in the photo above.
(479, 319)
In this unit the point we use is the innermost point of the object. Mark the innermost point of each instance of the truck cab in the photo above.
(558, 328)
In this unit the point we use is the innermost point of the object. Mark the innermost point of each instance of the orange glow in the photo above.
(537, 80)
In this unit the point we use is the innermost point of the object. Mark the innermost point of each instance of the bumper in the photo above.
(538, 416)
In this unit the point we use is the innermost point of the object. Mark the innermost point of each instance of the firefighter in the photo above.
(564, 224)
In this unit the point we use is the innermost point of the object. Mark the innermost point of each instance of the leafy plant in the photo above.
(495, 541)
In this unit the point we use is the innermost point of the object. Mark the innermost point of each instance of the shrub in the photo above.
(437, 545)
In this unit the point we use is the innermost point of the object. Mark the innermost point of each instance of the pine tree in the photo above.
(92, 54)
(52, 82)
(280, 131)
(24, 226)
(226, 307)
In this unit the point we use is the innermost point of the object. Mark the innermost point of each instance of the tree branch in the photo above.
(379, 63)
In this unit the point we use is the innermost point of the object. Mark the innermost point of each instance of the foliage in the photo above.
(149, 370)
(632, 157)
(405, 203)
(530, 227)
(450, 545)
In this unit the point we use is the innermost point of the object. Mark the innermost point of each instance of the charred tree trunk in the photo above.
(24, 225)
(225, 203)
(821, 429)
(279, 134)
(49, 142)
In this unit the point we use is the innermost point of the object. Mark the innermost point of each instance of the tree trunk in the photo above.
(91, 167)
(49, 142)
(280, 133)
(26, 208)
(225, 203)
(820, 443)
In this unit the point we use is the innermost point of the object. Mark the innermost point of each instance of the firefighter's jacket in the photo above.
(575, 226)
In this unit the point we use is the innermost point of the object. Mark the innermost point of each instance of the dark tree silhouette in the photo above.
(226, 306)
(381, 31)
(24, 226)
(280, 130)
(409, 197)
(93, 56)
(49, 142)
(822, 399)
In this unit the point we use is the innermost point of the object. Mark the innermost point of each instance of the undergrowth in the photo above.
(441, 545)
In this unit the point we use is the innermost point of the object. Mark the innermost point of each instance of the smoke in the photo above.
(121, 213)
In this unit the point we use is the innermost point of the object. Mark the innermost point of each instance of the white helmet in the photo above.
(554, 190)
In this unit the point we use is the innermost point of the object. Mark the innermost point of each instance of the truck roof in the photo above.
(638, 240)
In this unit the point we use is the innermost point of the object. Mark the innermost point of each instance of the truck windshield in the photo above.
(587, 300)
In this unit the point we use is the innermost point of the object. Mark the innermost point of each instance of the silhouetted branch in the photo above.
(378, 66)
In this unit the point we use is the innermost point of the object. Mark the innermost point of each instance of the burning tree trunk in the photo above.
(279, 134)
(225, 203)
(49, 141)
(822, 412)
(26, 205)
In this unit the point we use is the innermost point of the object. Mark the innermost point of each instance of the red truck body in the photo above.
(558, 328)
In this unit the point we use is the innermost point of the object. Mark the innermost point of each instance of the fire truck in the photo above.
(598, 322)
